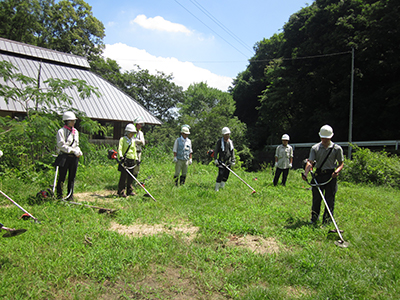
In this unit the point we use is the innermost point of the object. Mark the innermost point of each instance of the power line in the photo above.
(222, 26)
(211, 29)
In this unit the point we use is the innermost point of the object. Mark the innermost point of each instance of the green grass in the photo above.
(52, 260)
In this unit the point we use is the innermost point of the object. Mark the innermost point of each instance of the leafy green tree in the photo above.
(207, 110)
(157, 93)
(67, 25)
(306, 75)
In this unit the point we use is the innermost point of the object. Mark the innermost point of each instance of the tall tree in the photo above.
(67, 25)
(207, 110)
(157, 93)
(308, 83)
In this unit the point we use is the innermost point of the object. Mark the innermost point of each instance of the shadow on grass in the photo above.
(292, 223)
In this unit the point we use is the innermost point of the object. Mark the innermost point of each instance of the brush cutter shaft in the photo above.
(87, 205)
(327, 208)
(20, 207)
(237, 176)
(129, 172)
(55, 181)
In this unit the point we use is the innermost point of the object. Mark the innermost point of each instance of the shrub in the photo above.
(378, 168)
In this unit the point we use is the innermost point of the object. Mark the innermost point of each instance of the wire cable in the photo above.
(222, 26)
(211, 29)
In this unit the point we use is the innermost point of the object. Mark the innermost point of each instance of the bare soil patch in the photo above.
(140, 230)
(255, 244)
(104, 196)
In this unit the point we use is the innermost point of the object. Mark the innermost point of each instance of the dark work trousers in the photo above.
(223, 174)
(126, 180)
(278, 173)
(329, 190)
(70, 166)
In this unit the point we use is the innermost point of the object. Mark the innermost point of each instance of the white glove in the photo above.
(276, 164)
(216, 162)
(190, 161)
(290, 165)
(78, 152)
(175, 159)
(232, 164)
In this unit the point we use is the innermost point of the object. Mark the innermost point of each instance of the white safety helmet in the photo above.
(139, 120)
(185, 129)
(326, 132)
(225, 130)
(285, 137)
(130, 128)
(69, 116)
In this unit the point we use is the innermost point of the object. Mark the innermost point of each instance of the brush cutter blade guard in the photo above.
(14, 232)
(342, 244)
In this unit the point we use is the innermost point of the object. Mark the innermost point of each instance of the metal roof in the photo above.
(42, 53)
(112, 105)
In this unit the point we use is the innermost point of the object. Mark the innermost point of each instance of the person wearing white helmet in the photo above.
(328, 160)
(128, 157)
(139, 142)
(68, 154)
(224, 152)
(283, 160)
(182, 155)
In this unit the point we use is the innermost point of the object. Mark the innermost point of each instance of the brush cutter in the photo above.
(112, 154)
(222, 164)
(21, 208)
(341, 243)
(101, 209)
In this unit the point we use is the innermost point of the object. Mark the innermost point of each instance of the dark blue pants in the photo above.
(278, 173)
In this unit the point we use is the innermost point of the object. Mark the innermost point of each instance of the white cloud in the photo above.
(184, 73)
(159, 23)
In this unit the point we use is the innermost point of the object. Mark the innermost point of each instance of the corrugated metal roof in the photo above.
(113, 104)
(42, 53)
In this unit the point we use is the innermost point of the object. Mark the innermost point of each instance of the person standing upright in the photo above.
(224, 152)
(69, 152)
(328, 160)
(283, 160)
(182, 155)
(128, 160)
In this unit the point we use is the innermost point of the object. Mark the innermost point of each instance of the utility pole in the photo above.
(350, 148)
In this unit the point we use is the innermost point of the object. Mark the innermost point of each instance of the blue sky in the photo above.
(195, 40)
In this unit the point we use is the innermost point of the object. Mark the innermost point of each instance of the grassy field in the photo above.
(195, 243)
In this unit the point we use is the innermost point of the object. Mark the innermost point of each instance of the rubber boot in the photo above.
(176, 180)
(183, 179)
(223, 184)
(59, 189)
(217, 184)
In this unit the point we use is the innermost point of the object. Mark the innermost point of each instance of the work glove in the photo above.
(175, 159)
(276, 164)
(216, 162)
(190, 161)
(290, 166)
